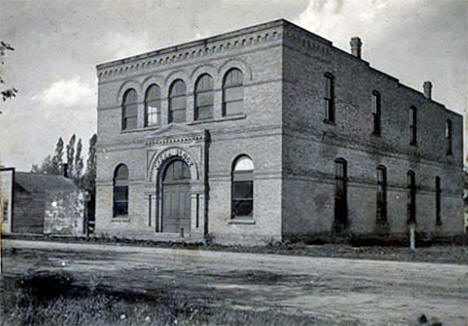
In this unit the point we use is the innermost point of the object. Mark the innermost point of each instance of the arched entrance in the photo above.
(176, 197)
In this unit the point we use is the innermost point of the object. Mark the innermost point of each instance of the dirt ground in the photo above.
(341, 291)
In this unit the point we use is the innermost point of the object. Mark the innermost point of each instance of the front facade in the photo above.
(270, 133)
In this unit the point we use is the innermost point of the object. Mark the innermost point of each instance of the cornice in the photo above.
(192, 50)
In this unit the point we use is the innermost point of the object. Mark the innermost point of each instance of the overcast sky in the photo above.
(58, 44)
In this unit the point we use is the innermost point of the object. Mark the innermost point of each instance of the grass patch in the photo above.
(53, 299)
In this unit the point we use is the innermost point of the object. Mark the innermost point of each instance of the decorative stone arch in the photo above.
(236, 156)
(160, 160)
(201, 70)
(150, 81)
(128, 85)
(170, 78)
(235, 63)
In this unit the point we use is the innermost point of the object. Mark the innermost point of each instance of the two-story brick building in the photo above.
(271, 133)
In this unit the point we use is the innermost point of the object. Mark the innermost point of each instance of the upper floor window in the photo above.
(152, 106)
(412, 125)
(204, 98)
(129, 110)
(376, 112)
(242, 187)
(177, 101)
(448, 136)
(120, 191)
(329, 98)
(233, 92)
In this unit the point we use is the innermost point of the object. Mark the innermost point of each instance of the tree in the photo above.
(51, 164)
(77, 174)
(90, 175)
(70, 155)
(57, 159)
(10, 92)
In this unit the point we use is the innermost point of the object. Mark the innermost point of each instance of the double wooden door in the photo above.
(176, 198)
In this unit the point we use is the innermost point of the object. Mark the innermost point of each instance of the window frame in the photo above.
(438, 200)
(125, 108)
(157, 113)
(120, 183)
(173, 97)
(413, 115)
(448, 136)
(381, 213)
(411, 200)
(198, 93)
(240, 86)
(376, 113)
(250, 176)
(329, 98)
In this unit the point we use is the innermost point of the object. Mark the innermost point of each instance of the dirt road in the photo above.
(348, 291)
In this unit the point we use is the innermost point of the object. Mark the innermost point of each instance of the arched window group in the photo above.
(120, 191)
(242, 187)
(232, 100)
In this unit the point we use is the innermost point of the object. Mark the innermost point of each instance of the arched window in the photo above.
(233, 92)
(204, 97)
(381, 195)
(129, 110)
(341, 202)
(448, 136)
(329, 98)
(411, 203)
(376, 112)
(177, 101)
(152, 106)
(437, 195)
(412, 125)
(120, 191)
(242, 187)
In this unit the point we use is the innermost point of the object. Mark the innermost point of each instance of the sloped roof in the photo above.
(32, 182)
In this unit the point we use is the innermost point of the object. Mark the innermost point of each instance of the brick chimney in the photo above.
(356, 45)
(427, 89)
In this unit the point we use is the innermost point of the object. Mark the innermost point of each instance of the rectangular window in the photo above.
(411, 204)
(437, 193)
(329, 98)
(448, 136)
(376, 112)
(381, 195)
(412, 125)
(5, 210)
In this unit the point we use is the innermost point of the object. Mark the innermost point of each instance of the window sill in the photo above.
(240, 220)
(120, 219)
(140, 129)
(226, 118)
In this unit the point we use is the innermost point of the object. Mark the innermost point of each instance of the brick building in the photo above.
(270, 133)
(40, 204)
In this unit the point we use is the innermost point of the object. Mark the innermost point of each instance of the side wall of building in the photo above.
(64, 213)
(6, 198)
(311, 146)
(29, 208)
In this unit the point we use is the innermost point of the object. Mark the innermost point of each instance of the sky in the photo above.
(59, 43)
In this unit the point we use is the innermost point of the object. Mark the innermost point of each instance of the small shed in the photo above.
(41, 204)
